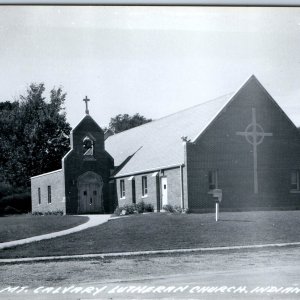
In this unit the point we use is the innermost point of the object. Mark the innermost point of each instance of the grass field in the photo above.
(23, 226)
(166, 231)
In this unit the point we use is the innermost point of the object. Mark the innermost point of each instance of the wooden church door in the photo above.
(90, 198)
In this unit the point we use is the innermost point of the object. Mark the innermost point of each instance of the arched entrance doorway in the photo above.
(90, 198)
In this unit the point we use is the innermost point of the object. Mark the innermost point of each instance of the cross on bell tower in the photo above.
(86, 100)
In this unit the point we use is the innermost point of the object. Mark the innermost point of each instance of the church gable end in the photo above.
(249, 151)
(87, 129)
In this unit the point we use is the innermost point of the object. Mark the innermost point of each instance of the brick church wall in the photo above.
(151, 196)
(128, 194)
(220, 148)
(56, 181)
(151, 189)
(154, 190)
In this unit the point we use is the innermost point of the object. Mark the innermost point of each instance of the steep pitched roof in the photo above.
(86, 119)
(158, 144)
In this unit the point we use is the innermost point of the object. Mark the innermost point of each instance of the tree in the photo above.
(124, 122)
(6, 113)
(34, 135)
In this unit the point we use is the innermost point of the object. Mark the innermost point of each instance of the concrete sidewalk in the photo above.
(145, 253)
(94, 220)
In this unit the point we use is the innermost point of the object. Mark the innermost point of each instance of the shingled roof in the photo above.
(158, 144)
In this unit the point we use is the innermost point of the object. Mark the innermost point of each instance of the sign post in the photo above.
(217, 210)
(217, 195)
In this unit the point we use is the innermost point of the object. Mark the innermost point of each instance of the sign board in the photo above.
(217, 194)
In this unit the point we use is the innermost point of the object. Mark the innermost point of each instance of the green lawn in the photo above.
(164, 231)
(18, 227)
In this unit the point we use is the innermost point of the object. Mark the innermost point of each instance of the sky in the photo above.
(149, 60)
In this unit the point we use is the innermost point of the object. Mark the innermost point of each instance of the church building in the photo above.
(241, 144)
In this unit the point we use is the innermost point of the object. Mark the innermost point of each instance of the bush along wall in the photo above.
(175, 209)
(129, 209)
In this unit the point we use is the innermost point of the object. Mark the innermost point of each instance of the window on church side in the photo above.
(49, 194)
(84, 193)
(122, 188)
(39, 195)
(213, 179)
(294, 184)
(144, 186)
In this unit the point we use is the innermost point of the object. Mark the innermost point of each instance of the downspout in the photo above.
(183, 181)
(181, 186)
(158, 192)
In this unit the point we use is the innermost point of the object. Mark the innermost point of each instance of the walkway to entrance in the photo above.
(94, 220)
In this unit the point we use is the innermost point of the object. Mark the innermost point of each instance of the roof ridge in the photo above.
(167, 116)
(196, 105)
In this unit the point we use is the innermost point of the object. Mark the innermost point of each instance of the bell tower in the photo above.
(87, 168)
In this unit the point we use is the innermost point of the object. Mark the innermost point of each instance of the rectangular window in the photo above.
(295, 180)
(213, 179)
(49, 194)
(39, 195)
(144, 186)
(122, 188)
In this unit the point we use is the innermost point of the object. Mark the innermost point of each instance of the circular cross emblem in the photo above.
(254, 130)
